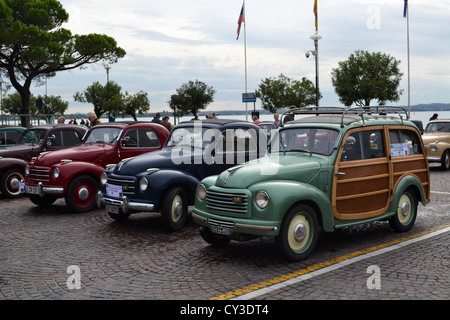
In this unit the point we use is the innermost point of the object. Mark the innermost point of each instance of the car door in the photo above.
(362, 179)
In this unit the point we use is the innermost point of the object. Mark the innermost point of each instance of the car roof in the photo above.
(123, 123)
(343, 117)
(217, 123)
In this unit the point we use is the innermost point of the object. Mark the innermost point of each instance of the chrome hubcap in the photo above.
(15, 183)
(405, 208)
(83, 194)
(300, 232)
(177, 208)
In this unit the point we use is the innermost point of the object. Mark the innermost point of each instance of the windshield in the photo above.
(190, 137)
(314, 140)
(33, 136)
(438, 127)
(103, 135)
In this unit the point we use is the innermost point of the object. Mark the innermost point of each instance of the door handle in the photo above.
(339, 173)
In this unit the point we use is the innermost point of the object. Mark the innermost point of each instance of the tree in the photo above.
(192, 97)
(284, 92)
(99, 95)
(367, 76)
(53, 105)
(33, 45)
(110, 99)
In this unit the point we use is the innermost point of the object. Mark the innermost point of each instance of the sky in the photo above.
(170, 42)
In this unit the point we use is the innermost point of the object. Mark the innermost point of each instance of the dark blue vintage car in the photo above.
(165, 181)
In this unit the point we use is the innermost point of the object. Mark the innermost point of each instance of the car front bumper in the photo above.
(41, 190)
(124, 204)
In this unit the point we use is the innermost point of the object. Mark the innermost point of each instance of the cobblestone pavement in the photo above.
(43, 250)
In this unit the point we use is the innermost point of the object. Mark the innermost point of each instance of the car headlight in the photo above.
(201, 192)
(433, 148)
(262, 199)
(143, 184)
(56, 173)
(103, 178)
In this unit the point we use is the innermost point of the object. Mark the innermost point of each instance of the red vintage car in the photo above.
(33, 141)
(74, 173)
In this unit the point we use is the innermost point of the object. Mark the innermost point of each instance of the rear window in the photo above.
(404, 143)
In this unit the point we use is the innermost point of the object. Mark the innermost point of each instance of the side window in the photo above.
(363, 145)
(236, 140)
(70, 138)
(141, 138)
(130, 140)
(404, 143)
(148, 139)
(3, 138)
(11, 137)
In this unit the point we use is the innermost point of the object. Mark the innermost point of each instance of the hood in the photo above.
(21, 151)
(160, 159)
(273, 167)
(89, 153)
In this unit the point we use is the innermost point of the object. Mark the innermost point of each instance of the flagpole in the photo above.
(409, 66)
(245, 58)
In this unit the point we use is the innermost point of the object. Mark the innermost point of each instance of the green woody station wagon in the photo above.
(329, 168)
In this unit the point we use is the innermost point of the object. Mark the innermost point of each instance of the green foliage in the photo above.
(192, 97)
(34, 46)
(365, 76)
(284, 92)
(110, 99)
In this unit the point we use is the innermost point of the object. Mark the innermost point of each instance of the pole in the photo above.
(245, 58)
(316, 46)
(409, 66)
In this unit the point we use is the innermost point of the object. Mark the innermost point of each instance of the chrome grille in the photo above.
(220, 223)
(226, 202)
(40, 175)
(128, 185)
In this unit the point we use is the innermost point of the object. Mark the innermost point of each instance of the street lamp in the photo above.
(107, 68)
(1, 97)
(316, 37)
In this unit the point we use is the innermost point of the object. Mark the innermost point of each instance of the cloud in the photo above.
(171, 42)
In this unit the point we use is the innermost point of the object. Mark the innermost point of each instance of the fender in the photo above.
(163, 179)
(284, 194)
(71, 169)
(404, 183)
(6, 163)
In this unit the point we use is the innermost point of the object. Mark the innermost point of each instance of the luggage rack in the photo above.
(359, 111)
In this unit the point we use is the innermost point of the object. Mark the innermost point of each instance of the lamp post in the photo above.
(1, 97)
(107, 68)
(316, 37)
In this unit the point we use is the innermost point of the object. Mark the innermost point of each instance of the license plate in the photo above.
(221, 230)
(113, 190)
(32, 190)
(112, 209)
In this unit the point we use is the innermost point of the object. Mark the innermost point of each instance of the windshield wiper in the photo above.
(300, 150)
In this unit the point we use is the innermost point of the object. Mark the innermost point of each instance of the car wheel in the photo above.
(445, 161)
(174, 208)
(81, 193)
(119, 217)
(299, 233)
(406, 213)
(9, 183)
(45, 201)
(212, 238)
